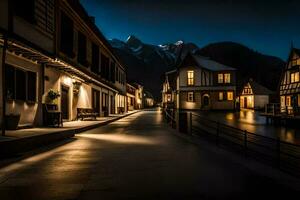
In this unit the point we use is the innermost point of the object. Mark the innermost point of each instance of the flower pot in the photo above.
(12, 122)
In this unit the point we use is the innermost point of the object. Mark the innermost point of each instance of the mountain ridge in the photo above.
(147, 63)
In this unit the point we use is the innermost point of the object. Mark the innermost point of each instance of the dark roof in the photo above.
(211, 64)
(258, 89)
(297, 51)
(148, 95)
(77, 6)
(172, 76)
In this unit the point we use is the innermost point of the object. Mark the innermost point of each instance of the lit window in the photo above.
(190, 96)
(227, 78)
(190, 75)
(294, 77)
(288, 101)
(220, 78)
(298, 100)
(221, 96)
(229, 96)
(169, 97)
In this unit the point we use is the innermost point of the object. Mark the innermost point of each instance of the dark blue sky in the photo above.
(268, 27)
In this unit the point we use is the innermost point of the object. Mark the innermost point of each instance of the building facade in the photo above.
(54, 46)
(290, 85)
(254, 96)
(203, 84)
(169, 89)
(131, 97)
(148, 100)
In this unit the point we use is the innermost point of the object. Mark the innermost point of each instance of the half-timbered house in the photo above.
(290, 85)
(203, 84)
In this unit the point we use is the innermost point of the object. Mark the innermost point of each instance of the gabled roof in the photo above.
(297, 51)
(204, 62)
(211, 64)
(148, 95)
(258, 89)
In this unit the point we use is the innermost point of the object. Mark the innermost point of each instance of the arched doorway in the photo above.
(205, 101)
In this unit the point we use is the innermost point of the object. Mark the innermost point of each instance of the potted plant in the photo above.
(53, 96)
(12, 121)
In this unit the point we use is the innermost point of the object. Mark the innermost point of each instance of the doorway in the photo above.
(96, 101)
(64, 102)
(205, 100)
(245, 102)
(112, 104)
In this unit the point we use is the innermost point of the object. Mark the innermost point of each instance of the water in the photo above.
(252, 122)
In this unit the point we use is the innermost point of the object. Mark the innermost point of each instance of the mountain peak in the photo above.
(179, 42)
(133, 41)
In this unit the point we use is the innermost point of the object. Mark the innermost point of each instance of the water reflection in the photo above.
(251, 121)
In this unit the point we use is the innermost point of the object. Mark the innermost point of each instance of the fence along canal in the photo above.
(280, 154)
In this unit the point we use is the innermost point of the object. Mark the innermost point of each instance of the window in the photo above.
(95, 58)
(112, 72)
(227, 78)
(66, 35)
(190, 75)
(20, 84)
(81, 49)
(295, 77)
(190, 96)
(229, 96)
(10, 81)
(169, 98)
(288, 101)
(104, 66)
(31, 83)
(221, 96)
(220, 78)
(25, 9)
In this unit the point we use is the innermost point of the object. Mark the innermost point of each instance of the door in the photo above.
(65, 102)
(245, 102)
(205, 100)
(96, 101)
(112, 104)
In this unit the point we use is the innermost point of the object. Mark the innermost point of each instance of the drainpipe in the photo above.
(3, 85)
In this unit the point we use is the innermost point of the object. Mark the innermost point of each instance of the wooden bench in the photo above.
(83, 113)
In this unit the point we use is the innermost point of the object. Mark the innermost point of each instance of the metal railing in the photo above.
(170, 115)
(284, 155)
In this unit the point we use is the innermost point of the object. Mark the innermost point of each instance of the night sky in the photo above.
(268, 27)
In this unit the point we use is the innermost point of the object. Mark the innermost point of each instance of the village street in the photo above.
(137, 157)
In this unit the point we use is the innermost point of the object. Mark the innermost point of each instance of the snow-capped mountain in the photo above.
(150, 61)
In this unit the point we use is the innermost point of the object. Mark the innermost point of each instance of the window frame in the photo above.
(190, 78)
(221, 96)
(232, 95)
(192, 95)
(226, 76)
(220, 78)
(26, 87)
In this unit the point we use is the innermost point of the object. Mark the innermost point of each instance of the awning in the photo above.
(23, 50)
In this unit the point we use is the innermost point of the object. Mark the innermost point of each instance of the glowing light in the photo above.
(120, 138)
(67, 80)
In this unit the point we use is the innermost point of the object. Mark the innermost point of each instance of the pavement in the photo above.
(19, 141)
(137, 157)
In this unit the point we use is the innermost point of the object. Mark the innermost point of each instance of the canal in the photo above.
(251, 121)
